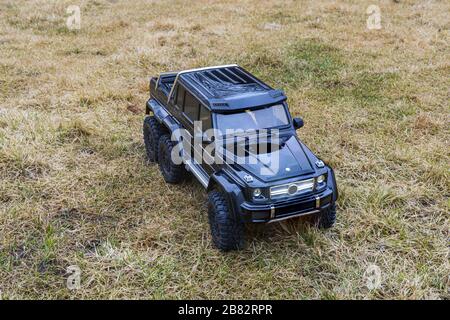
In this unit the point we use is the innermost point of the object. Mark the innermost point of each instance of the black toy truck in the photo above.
(263, 172)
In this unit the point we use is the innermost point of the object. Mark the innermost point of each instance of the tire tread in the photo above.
(229, 234)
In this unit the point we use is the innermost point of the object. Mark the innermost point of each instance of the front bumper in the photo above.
(287, 208)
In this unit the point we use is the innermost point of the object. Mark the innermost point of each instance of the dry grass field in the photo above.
(75, 188)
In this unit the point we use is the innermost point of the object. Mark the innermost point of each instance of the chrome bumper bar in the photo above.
(294, 216)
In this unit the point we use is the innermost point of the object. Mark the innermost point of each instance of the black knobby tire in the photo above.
(227, 230)
(327, 217)
(172, 173)
(152, 133)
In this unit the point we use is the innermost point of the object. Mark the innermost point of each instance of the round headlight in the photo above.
(256, 192)
(321, 179)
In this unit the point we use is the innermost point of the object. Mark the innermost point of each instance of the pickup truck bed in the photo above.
(165, 85)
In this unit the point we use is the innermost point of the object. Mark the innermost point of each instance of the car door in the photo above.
(189, 114)
(206, 121)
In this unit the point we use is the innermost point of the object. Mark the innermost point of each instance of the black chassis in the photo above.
(231, 182)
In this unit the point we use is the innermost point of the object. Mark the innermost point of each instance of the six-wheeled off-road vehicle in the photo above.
(235, 134)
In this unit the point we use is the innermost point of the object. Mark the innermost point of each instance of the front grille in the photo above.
(292, 189)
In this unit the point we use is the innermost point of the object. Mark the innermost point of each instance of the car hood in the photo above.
(288, 160)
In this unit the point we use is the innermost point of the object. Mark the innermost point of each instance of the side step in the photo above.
(198, 172)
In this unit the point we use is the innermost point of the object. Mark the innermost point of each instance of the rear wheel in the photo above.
(172, 173)
(326, 218)
(152, 133)
(227, 230)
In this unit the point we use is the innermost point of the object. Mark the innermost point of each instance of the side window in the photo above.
(180, 97)
(191, 107)
(205, 118)
(173, 97)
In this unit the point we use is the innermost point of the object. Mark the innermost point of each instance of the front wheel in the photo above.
(327, 217)
(227, 230)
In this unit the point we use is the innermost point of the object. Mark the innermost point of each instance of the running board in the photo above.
(197, 172)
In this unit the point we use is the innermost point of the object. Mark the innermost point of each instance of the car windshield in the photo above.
(266, 118)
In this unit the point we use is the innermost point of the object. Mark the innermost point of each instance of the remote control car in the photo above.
(266, 173)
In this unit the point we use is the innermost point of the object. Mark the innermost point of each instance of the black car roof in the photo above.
(228, 88)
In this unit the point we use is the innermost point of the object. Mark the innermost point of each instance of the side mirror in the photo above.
(298, 123)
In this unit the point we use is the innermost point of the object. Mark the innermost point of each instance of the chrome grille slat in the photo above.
(301, 187)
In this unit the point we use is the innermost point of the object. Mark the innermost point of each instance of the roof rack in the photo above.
(227, 87)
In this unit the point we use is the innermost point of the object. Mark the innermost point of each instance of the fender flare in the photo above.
(335, 189)
(162, 115)
(232, 192)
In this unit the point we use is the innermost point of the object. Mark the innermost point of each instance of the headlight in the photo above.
(321, 181)
(256, 193)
